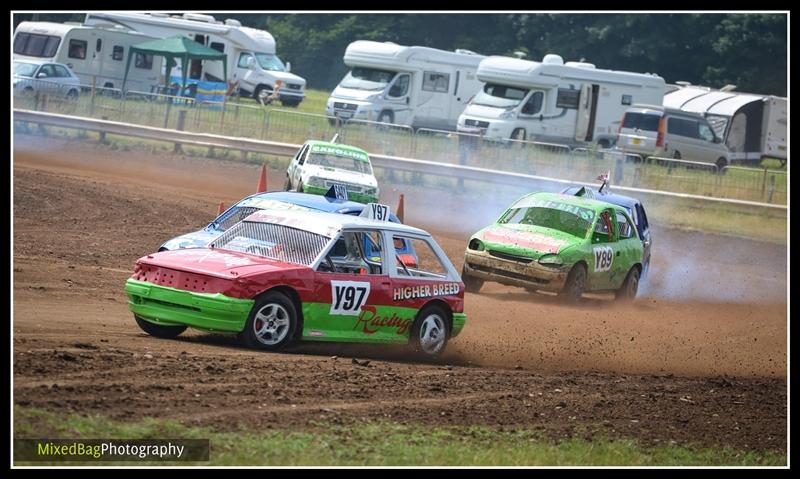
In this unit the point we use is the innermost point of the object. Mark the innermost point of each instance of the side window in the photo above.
(625, 228)
(603, 228)
(423, 263)
(706, 133)
(568, 98)
(626, 99)
(220, 47)
(144, 61)
(534, 103)
(642, 217)
(356, 252)
(301, 157)
(61, 71)
(77, 49)
(117, 53)
(438, 82)
(400, 87)
(98, 45)
(243, 59)
(19, 42)
(48, 70)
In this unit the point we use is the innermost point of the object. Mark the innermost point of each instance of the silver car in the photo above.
(49, 77)
(670, 133)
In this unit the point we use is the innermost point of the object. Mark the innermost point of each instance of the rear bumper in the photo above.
(459, 319)
(480, 264)
(171, 306)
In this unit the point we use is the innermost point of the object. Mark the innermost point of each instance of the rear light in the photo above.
(661, 127)
(619, 130)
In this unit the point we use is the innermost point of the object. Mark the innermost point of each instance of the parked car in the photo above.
(281, 200)
(635, 209)
(558, 243)
(44, 76)
(318, 165)
(273, 279)
(660, 131)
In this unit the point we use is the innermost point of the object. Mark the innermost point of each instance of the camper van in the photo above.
(416, 86)
(96, 55)
(253, 66)
(751, 126)
(552, 101)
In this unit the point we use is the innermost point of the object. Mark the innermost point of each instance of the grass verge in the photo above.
(384, 444)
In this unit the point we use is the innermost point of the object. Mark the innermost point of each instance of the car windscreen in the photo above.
(274, 241)
(270, 62)
(570, 219)
(500, 96)
(338, 162)
(370, 79)
(641, 121)
(23, 69)
(233, 216)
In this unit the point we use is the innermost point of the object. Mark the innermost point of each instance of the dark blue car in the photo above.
(282, 200)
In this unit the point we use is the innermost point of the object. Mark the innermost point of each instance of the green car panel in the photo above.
(542, 236)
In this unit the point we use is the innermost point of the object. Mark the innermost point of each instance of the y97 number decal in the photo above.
(603, 258)
(348, 297)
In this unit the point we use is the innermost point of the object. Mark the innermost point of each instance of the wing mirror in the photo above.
(288, 67)
(41, 75)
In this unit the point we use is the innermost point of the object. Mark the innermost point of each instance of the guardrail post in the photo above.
(264, 124)
(764, 183)
(102, 134)
(637, 176)
(618, 165)
(181, 124)
(91, 98)
(166, 112)
(771, 188)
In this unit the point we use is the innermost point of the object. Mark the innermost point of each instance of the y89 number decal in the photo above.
(603, 258)
(348, 297)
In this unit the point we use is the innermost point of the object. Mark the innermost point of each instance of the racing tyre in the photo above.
(430, 331)
(299, 186)
(158, 330)
(676, 155)
(471, 284)
(288, 185)
(386, 116)
(721, 164)
(272, 322)
(630, 286)
(575, 285)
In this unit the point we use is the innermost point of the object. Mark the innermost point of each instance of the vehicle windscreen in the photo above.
(570, 219)
(24, 69)
(339, 162)
(641, 121)
(270, 62)
(233, 216)
(370, 79)
(274, 241)
(500, 96)
(36, 45)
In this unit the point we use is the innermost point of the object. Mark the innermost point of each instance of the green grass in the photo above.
(385, 444)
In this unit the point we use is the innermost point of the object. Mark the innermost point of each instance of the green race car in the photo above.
(558, 243)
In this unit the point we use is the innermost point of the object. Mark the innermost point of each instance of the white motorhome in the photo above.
(751, 126)
(253, 66)
(553, 101)
(416, 86)
(97, 55)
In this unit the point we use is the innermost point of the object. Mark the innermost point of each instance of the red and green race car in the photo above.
(281, 275)
(558, 243)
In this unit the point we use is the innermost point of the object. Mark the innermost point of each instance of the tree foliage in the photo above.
(713, 49)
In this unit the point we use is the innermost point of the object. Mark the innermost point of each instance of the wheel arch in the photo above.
(447, 309)
(294, 297)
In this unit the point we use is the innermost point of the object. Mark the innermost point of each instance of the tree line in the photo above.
(712, 49)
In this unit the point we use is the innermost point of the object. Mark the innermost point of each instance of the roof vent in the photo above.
(728, 87)
(683, 83)
(552, 59)
(580, 64)
(198, 17)
(233, 23)
(159, 14)
(465, 52)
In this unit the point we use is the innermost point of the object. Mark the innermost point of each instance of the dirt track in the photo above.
(704, 369)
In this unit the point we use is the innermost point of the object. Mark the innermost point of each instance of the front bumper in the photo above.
(351, 195)
(480, 264)
(171, 306)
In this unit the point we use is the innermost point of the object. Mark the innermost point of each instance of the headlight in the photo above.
(475, 244)
(551, 260)
(506, 115)
(371, 191)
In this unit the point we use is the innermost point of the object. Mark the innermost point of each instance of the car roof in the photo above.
(569, 199)
(340, 146)
(327, 224)
(317, 202)
(613, 198)
(661, 109)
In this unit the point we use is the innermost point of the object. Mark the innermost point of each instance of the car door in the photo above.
(354, 295)
(295, 166)
(629, 249)
(709, 149)
(605, 249)
(643, 228)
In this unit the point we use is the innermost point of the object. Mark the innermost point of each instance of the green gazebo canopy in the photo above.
(177, 47)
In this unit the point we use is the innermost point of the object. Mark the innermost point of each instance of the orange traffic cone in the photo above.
(399, 212)
(262, 182)
(221, 208)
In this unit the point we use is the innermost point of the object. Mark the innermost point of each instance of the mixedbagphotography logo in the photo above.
(144, 450)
